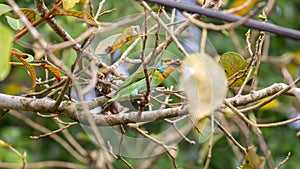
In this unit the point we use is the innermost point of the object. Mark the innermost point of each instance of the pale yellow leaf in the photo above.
(69, 4)
(204, 83)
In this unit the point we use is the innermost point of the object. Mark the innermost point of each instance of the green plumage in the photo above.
(136, 83)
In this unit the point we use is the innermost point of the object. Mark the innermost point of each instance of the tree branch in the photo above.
(75, 110)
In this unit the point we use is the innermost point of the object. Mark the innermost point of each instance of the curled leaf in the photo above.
(22, 57)
(31, 71)
(53, 70)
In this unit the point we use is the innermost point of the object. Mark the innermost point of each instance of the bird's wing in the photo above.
(136, 76)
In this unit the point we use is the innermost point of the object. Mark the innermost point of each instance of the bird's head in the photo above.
(167, 66)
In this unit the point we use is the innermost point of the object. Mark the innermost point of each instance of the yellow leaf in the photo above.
(29, 13)
(200, 2)
(53, 70)
(296, 56)
(68, 4)
(81, 15)
(245, 10)
(204, 84)
(273, 104)
(30, 69)
(13, 89)
(31, 72)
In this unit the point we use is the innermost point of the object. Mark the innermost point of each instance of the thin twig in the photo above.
(3, 114)
(284, 161)
(167, 148)
(263, 145)
(210, 143)
(118, 157)
(55, 131)
(55, 137)
(159, 21)
(74, 142)
(268, 100)
(45, 17)
(121, 140)
(145, 66)
(258, 50)
(101, 3)
(173, 123)
(230, 137)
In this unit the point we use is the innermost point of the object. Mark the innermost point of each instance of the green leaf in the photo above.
(253, 160)
(4, 8)
(6, 39)
(234, 66)
(16, 24)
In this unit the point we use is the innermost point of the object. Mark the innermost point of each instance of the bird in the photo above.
(135, 85)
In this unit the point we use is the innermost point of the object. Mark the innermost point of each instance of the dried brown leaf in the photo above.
(77, 14)
(54, 70)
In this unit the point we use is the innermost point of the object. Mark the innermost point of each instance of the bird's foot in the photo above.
(143, 101)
